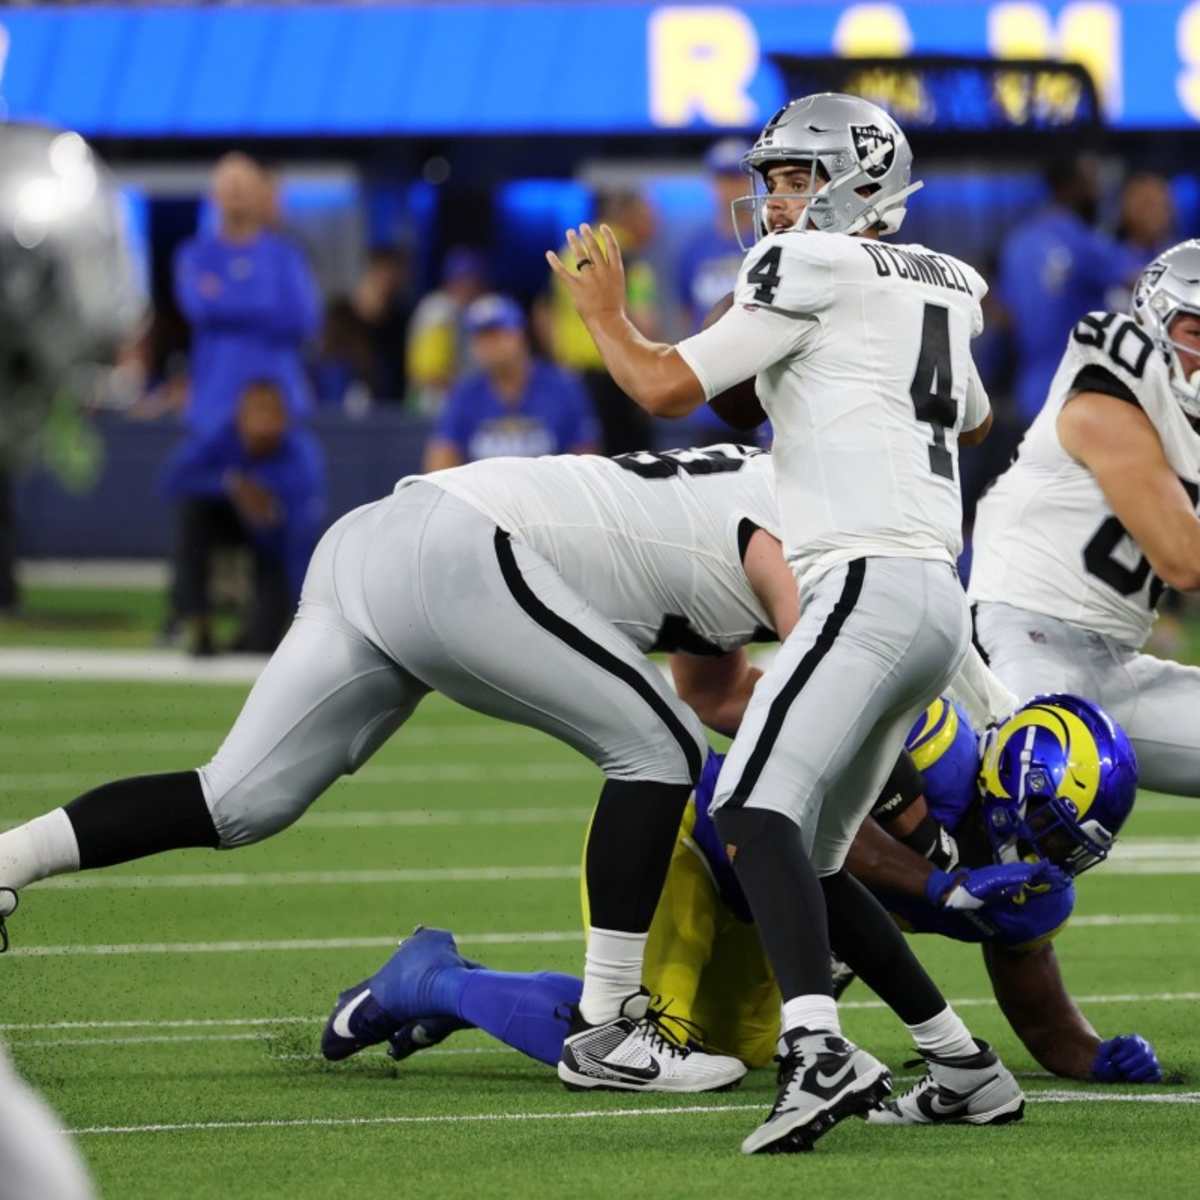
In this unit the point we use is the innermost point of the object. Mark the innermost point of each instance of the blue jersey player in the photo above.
(950, 849)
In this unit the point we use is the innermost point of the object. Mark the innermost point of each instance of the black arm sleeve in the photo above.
(904, 787)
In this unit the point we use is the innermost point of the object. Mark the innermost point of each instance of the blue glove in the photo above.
(970, 889)
(1126, 1059)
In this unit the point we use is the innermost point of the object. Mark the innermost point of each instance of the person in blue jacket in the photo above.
(256, 481)
(250, 298)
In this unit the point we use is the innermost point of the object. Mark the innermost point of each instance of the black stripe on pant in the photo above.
(562, 629)
(777, 714)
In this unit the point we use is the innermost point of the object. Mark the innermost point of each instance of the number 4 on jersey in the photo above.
(932, 387)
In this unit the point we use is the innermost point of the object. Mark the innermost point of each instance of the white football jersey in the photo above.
(1046, 539)
(868, 383)
(652, 541)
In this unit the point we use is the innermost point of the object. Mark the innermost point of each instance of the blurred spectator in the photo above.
(381, 301)
(711, 258)
(257, 482)
(623, 426)
(514, 404)
(250, 298)
(1054, 268)
(1147, 215)
(344, 371)
(437, 350)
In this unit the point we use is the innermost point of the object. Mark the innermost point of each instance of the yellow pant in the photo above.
(708, 966)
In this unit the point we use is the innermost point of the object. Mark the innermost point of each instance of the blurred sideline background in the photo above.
(340, 214)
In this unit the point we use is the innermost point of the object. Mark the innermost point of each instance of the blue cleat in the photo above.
(411, 982)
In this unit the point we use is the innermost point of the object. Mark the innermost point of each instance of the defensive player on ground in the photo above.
(67, 299)
(530, 590)
(1076, 542)
(862, 360)
(942, 858)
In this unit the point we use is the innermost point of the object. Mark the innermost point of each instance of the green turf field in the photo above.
(189, 991)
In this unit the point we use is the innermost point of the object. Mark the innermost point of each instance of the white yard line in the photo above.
(415, 773)
(273, 879)
(421, 734)
(418, 818)
(255, 947)
(1050, 1097)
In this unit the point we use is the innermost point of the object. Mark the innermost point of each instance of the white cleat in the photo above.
(823, 1079)
(977, 1089)
(635, 1053)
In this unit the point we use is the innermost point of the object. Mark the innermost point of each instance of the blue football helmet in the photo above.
(1058, 780)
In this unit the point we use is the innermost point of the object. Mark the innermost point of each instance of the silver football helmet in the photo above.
(860, 164)
(68, 291)
(1170, 285)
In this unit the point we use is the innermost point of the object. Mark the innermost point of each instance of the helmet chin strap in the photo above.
(875, 214)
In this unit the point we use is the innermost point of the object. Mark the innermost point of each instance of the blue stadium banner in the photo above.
(553, 68)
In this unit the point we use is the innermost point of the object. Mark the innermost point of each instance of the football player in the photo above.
(1096, 517)
(528, 589)
(862, 360)
(67, 298)
(938, 853)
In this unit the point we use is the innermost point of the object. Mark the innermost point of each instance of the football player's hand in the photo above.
(970, 889)
(597, 285)
(1126, 1059)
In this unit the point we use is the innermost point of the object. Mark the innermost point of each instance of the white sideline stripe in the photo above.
(1049, 1097)
(267, 1022)
(1137, 848)
(415, 773)
(266, 879)
(253, 947)
(170, 666)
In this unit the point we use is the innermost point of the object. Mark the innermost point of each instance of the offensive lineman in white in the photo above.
(531, 590)
(1075, 542)
(861, 354)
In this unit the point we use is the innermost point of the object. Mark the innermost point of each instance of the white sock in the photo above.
(612, 972)
(944, 1035)
(39, 848)
(811, 1012)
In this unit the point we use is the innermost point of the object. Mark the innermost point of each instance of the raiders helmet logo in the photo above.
(875, 148)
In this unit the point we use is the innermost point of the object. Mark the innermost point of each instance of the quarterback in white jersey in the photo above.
(861, 357)
(1078, 539)
(528, 589)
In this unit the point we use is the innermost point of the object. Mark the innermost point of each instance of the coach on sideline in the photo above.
(249, 297)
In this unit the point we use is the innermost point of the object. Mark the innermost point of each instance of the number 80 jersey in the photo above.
(1046, 539)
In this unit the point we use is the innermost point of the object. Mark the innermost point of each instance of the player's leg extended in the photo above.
(876, 639)
(505, 635)
(325, 701)
(1158, 704)
(427, 990)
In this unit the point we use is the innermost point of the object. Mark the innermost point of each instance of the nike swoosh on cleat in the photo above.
(947, 1103)
(823, 1085)
(341, 1020)
(636, 1074)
